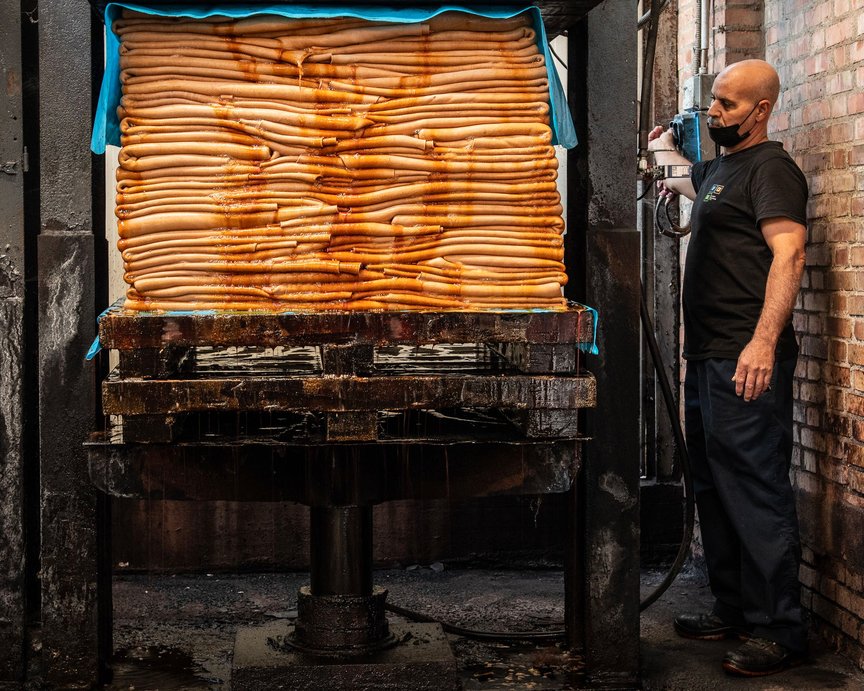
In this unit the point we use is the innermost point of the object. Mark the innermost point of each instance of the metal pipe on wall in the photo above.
(697, 38)
(704, 8)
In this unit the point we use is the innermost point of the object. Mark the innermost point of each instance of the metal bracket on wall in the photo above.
(9, 167)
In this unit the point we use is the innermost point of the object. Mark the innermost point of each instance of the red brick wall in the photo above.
(818, 49)
(735, 32)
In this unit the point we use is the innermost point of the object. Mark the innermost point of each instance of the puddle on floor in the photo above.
(157, 668)
(517, 665)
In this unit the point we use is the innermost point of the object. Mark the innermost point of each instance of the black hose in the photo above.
(645, 18)
(648, 186)
(664, 223)
(672, 410)
(648, 328)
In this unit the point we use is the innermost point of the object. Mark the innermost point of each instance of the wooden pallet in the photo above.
(341, 377)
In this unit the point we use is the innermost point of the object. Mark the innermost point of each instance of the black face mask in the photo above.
(729, 136)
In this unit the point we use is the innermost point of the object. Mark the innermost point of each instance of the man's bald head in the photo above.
(754, 79)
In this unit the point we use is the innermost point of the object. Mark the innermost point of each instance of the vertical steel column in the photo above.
(611, 472)
(68, 71)
(341, 612)
(12, 550)
(340, 541)
(578, 191)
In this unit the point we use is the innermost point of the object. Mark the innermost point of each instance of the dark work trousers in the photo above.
(740, 453)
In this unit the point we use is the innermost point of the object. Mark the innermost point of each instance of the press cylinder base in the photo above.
(341, 625)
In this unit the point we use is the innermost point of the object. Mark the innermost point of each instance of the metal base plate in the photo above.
(421, 661)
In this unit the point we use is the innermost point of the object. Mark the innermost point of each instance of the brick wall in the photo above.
(818, 49)
(735, 32)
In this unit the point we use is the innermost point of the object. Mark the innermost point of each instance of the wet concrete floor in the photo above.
(177, 632)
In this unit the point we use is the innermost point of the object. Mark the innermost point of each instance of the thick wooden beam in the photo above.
(345, 393)
(126, 330)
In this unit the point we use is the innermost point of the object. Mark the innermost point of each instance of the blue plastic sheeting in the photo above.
(592, 349)
(106, 128)
(96, 346)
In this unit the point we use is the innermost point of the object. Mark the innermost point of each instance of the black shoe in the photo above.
(707, 627)
(759, 657)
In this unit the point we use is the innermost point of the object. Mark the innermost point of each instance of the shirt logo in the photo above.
(713, 193)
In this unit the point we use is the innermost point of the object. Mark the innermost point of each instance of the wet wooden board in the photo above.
(125, 330)
(315, 428)
(134, 396)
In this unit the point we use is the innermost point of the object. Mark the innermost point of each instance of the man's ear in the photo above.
(763, 109)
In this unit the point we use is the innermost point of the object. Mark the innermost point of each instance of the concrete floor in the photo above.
(673, 663)
(177, 632)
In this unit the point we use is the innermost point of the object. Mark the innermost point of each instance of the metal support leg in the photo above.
(341, 639)
(340, 539)
(341, 614)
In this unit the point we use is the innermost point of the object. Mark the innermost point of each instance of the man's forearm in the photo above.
(781, 292)
(680, 183)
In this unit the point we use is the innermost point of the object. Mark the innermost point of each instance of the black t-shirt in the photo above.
(728, 259)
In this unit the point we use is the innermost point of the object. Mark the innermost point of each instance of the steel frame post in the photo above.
(611, 473)
(66, 327)
(12, 271)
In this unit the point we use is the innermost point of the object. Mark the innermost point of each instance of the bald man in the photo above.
(742, 275)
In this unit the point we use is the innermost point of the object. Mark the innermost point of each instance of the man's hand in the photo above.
(662, 145)
(754, 369)
(663, 191)
(660, 139)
